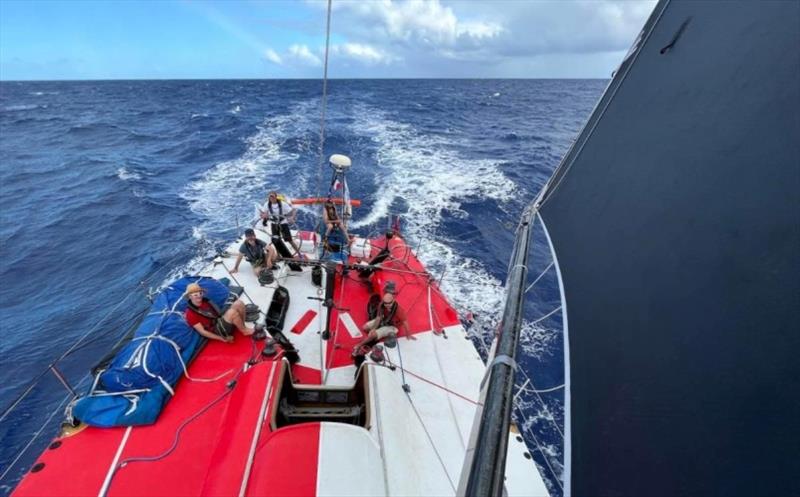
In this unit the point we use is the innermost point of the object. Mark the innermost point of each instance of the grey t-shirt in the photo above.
(253, 252)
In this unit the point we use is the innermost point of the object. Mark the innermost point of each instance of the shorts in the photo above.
(283, 230)
(257, 262)
(223, 328)
(381, 332)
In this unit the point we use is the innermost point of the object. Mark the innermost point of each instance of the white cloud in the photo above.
(359, 52)
(414, 22)
(464, 38)
(302, 54)
(272, 56)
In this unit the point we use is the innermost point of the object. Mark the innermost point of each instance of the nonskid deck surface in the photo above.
(228, 443)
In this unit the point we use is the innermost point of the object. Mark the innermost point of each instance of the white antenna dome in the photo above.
(340, 162)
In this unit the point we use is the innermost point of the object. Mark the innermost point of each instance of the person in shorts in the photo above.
(280, 213)
(390, 316)
(212, 323)
(257, 252)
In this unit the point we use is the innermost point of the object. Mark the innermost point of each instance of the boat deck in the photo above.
(223, 437)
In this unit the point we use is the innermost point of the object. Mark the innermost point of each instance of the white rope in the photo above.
(539, 277)
(547, 315)
(183, 364)
(547, 390)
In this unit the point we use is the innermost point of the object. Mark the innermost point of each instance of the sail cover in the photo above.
(675, 220)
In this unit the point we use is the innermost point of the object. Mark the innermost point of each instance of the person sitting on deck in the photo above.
(281, 213)
(390, 316)
(257, 252)
(331, 219)
(209, 321)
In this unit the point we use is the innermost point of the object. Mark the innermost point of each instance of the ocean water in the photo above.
(110, 189)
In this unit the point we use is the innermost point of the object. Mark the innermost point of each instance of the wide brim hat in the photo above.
(193, 288)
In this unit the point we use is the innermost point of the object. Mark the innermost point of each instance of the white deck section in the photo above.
(415, 443)
(350, 325)
(349, 462)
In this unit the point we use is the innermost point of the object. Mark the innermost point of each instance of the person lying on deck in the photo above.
(331, 219)
(390, 316)
(211, 322)
(281, 213)
(257, 252)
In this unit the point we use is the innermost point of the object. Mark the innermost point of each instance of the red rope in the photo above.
(441, 386)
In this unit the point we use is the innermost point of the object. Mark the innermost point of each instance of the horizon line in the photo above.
(281, 79)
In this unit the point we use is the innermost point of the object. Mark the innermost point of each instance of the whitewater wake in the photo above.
(427, 177)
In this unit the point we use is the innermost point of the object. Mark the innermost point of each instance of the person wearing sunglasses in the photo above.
(389, 317)
(211, 322)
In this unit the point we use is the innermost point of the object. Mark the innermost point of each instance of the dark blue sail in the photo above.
(675, 220)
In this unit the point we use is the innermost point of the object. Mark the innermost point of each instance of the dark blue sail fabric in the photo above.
(675, 220)
(140, 379)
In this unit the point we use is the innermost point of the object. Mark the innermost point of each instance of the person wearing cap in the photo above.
(209, 321)
(256, 252)
(281, 213)
(390, 316)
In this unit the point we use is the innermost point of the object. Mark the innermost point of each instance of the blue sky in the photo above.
(285, 39)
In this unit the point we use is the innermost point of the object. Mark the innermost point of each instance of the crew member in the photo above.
(390, 316)
(331, 219)
(281, 213)
(256, 252)
(209, 321)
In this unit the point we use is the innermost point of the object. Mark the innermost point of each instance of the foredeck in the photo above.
(220, 437)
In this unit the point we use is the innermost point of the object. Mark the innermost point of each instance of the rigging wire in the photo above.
(77, 344)
(430, 440)
(324, 107)
(38, 432)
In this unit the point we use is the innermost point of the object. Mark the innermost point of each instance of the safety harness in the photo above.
(258, 256)
(221, 327)
(387, 318)
(280, 208)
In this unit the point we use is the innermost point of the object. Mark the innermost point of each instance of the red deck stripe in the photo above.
(301, 325)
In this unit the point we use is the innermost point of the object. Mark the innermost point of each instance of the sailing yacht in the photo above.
(673, 226)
